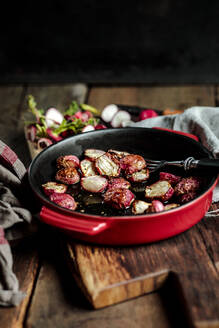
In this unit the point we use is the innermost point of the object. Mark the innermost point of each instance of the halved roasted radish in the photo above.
(132, 163)
(95, 183)
(139, 176)
(67, 161)
(54, 187)
(120, 182)
(119, 198)
(106, 165)
(170, 206)
(108, 112)
(161, 190)
(87, 168)
(93, 154)
(187, 185)
(119, 118)
(119, 153)
(140, 206)
(68, 176)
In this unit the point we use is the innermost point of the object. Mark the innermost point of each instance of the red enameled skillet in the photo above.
(123, 229)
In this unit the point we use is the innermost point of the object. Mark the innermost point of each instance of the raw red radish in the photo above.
(157, 206)
(87, 168)
(139, 206)
(68, 176)
(108, 112)
(100, 127)
(43, 143)
(53, 117)
(52, 135)
(67, 161)
(95, 183)
(119, 118)
(31, 133)
(88, 128)
(147, 113)
(64, 200)
(54, 187)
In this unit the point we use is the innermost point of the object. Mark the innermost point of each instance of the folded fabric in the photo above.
(12, 214)
(200, 121)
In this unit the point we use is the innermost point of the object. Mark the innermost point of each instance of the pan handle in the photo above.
(179, 132)
(69, 222)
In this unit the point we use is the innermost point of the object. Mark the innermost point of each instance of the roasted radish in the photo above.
(132, 163)
(87, 168)
(120, 182)
(161, 190)
(170, 206)
(171, 178)
(121, 198)
(68, 176)
(64, 200)
(67, 161)
(185, 198)
(118, 153)
(93, 154)
(187, 185)
(139, 176)
(54, 187)
(157, 206)
(140, 206)
(107, 165)
(95, 183)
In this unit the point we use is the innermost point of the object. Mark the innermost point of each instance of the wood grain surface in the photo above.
(181, 273)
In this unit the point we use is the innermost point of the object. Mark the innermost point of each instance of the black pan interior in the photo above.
(149, 143)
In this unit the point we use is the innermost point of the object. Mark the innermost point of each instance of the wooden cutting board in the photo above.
(185, 268)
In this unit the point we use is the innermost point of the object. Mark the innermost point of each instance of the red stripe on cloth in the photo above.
(9, 155)
(9, 158)
(2, 237)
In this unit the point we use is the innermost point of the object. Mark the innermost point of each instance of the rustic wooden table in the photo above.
(177, 278)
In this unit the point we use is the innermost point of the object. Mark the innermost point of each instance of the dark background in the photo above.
(159, 41)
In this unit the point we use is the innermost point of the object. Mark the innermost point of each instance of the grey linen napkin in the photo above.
(200, 121)
(12, 214)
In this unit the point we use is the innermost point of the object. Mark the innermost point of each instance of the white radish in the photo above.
(108, 112)
(53, 117)
(120, 118)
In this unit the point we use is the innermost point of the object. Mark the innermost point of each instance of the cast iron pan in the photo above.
(119, 228)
